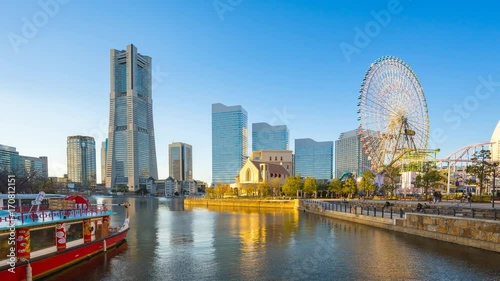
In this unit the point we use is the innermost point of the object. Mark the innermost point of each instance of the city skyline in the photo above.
(299, 72)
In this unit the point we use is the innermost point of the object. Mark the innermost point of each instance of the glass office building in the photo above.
(349, 155)
(131, 159)
(229, 142)
(180, 161)
(314, 159)
(81, 160)
(22, 166)
(104, 153)
(267, 137)
(8, 159)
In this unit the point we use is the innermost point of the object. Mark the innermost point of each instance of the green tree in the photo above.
(310, 186)
(220, 190)
(291, 185)
(392, 177)
(429, 177)
(263, 189)
(210, 191)
(323, 187)
(275, 186)
(481, 168)
(335, 187)
(142, 191)
(366, 183)
(349, 187)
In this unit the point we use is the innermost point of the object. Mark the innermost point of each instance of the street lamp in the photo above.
(495, 164)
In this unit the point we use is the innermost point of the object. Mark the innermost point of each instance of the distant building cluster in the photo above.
(22, 166)
(270, 147)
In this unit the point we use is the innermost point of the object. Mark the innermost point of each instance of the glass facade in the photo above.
(131, 153)
(104, 153)
(81, 157)
(8, 158)
(180, 161)
(349, 156)
(267, 137)
(314, 159)
(229, 142)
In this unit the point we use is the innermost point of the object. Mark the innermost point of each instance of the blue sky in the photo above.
(281, 60)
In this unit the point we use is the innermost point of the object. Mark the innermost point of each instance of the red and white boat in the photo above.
(36, 243)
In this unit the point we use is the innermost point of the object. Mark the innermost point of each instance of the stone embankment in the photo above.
(468, 231)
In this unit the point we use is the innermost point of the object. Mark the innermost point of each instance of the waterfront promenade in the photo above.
(474, 225)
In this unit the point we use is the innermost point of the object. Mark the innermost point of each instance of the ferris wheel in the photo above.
(392, 112)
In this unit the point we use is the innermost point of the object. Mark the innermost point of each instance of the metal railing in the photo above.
(393, 211)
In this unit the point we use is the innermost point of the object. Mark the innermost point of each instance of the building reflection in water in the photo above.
(251, 236)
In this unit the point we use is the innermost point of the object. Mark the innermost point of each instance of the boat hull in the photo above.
(53, 262)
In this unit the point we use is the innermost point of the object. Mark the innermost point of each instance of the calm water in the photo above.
(169, 242)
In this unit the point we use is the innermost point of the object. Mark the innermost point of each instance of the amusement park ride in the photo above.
(394, 121)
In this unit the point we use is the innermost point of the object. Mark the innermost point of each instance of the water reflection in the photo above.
(168, 241)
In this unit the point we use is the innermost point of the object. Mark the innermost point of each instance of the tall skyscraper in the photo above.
(349, 154)
(180, 161)
(81, 160)
(314, 159)
(131, 157)
(104, 154)
(267, 137)
(229, 142)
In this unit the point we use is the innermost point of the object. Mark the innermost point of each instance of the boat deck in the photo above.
(19, 218)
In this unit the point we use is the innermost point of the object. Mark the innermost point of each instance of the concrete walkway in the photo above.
(448, 204)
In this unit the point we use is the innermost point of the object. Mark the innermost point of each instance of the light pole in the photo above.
(495, 164)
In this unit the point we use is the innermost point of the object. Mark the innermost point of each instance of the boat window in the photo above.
(74, 232)
(4, 246)
(42, 238)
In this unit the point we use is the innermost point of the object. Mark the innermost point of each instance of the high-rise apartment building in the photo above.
(349, 154)
(81, 160)
(104, 154)
(314, 159)
(229, 142)
(180, 161)
(131, 157)
(267, 137)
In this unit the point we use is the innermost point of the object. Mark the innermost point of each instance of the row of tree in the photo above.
(27, 182)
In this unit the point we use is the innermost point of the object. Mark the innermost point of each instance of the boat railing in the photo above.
(24, 209)
(52, 215)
